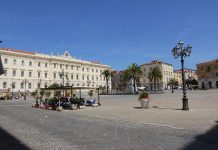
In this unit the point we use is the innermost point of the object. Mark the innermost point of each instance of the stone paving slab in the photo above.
(164, 109)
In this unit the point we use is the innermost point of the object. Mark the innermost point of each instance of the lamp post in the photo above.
(183, 52)
(63, 76)
(25, 82)
(12, 87)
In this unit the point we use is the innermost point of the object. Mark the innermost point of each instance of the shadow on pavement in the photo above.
(137, 107)
(207, 141)
(164, 108)
(8, 142)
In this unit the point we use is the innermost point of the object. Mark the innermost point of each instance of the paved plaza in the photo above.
(119, 124)
(164, 109)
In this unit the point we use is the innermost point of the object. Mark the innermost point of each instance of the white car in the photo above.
(142, 88)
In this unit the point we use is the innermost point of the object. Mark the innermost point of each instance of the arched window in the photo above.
(21, 85)
(4, 85)
(38, 85)
(13, 85)
(29, 85)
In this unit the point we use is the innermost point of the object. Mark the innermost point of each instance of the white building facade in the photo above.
(32, 70)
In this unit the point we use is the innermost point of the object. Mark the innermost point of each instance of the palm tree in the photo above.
(155, 75)
(107, 74)
(124, 79)
(134, 72)
(173, 82)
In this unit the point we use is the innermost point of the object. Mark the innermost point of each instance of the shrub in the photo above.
(144, 94)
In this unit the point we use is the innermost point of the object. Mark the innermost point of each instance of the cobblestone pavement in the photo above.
(117, 125)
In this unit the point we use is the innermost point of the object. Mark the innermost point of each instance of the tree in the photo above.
(54, 85)
(133, 72)
(155, 76)
(173, 83)
(188, 82)
(124, 79)
(35, 95)
(107, 74)
(194, 82)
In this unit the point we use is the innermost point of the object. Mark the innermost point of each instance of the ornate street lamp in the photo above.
(25, 82)
(183, 52)
(12, 87)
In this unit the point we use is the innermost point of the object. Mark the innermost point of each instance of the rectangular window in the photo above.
(39, 74)
(29, 85)
(46, 65)
(22, 73)
(92, 70)
(208, 68)
(55, 65)
(87, 69)
(54, 75)
(46, 74)
(23, 63)
(77, 68)
(66, 66)
(96, 78)
(14, 73)
(82, 69)
(71, 67)
(30, 74)
(14, 61)
(6, 60)
(77, 77)
(71, 76)
(30, 63)
(5, 72)
(39, 64)
(21, 85)
(216, 74)
(87, 77)
(83, 77)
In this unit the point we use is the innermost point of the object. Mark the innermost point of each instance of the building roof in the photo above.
(156, 62)
(66, 56)
(211, 61)
(17, 51)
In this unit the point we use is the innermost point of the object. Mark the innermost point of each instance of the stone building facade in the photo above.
(207, 73)
(33, 70)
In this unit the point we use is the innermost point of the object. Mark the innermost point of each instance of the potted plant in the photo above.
(144, 99)
(36, 96)
(52, 103)
(74, 102)
(59, 107)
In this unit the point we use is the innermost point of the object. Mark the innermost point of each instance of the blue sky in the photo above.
(114, 32)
